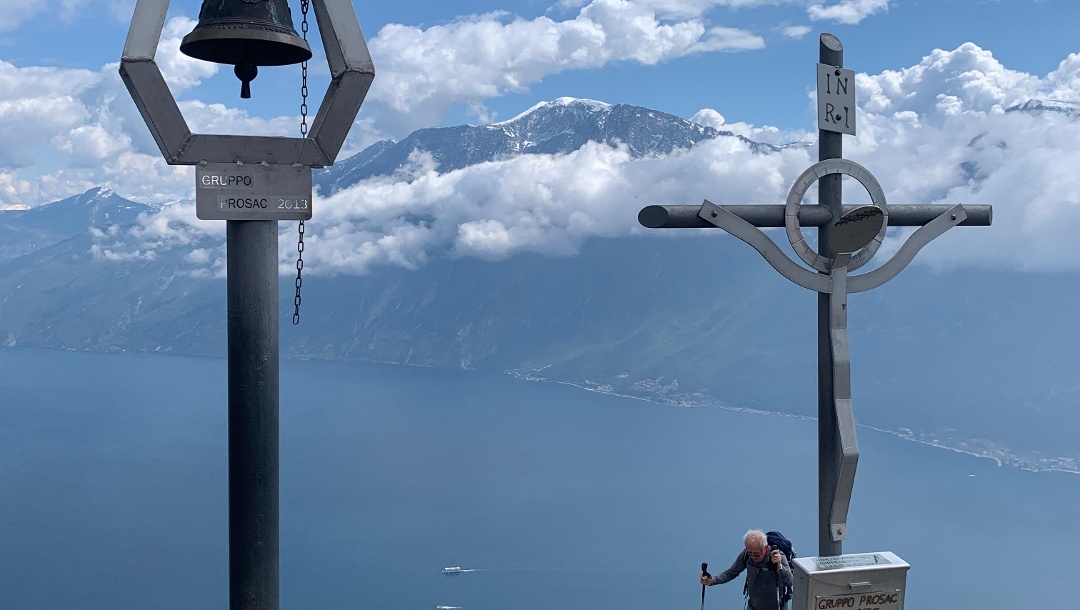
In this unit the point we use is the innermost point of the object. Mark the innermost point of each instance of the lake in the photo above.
(113, 471)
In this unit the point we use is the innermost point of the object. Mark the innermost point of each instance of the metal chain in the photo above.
(299, 271)
(303, 134)
(303, 73)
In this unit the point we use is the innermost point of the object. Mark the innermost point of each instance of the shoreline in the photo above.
(1002, 457)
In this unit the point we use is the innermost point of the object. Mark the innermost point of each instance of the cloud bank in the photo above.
(424, 72)
(67, 130)
(938, 132)
(84, 123)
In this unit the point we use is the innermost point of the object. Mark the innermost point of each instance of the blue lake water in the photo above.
(113, 494)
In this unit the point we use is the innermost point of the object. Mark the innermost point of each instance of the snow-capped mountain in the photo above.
(25, 230)
(560, 126)
(1070, 109)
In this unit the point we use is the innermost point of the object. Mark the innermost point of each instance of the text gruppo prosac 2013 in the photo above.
(230, 180)
(245, 203)
(869, 601)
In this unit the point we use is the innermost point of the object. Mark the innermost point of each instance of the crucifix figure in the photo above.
(848, 238)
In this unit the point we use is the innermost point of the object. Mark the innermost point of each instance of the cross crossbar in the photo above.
(768, 215)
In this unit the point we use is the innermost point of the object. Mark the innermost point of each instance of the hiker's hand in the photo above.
(776, 558)
(705, 579)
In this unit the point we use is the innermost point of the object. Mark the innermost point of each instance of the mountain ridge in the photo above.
(23, 231)
(560, 126)
(627, 315)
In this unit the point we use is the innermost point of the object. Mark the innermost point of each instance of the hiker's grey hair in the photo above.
(758, 538)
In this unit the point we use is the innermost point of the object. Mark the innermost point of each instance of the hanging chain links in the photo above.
(299, 271)
(303, 73)
(303, 134)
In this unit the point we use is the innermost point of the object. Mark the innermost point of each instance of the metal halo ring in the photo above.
(794, 200)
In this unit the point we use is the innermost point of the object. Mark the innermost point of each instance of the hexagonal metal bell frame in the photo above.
(350, 65)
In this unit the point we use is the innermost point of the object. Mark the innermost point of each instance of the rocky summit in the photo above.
(560, 126)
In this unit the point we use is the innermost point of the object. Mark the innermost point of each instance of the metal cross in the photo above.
(848, 238)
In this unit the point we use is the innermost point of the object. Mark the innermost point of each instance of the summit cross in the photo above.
(848, 237)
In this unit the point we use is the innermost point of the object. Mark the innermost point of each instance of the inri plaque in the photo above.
(836, 99)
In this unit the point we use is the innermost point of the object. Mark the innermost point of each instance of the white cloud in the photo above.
(199, 256)
(729, 39)
(941, 133)
(538, 203)
(90, 145)
(934, 132)
(221, 119)
(673, 9)
(84, 123)
(767, 134)
(847, 11)
(423, 72)
(969, 78)
(24, 121)
(13, 190)
(795, 31)
(14, 14)
(486, 238)
(180, 71)
(172, 227)
(107, 254)
(121, 10)
(38, 101)
(39, 82)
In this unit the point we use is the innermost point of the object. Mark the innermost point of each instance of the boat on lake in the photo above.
(452, 570)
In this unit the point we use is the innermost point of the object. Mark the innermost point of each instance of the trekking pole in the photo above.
(779, 583)
(705, 573)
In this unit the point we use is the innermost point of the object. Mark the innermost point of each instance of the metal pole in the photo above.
(253, 414)
(830, 146)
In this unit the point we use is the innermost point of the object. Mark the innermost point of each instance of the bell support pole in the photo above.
(251, 182)
(253, 353)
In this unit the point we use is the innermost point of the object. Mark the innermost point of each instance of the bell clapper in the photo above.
(246, 72)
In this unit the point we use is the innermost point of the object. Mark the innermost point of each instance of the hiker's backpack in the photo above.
(777, 541)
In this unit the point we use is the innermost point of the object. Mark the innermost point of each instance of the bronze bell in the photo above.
(246, 34)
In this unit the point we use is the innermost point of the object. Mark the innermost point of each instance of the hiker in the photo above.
(767, 573)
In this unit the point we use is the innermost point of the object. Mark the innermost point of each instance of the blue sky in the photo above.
(934, 77)
(1027, 35)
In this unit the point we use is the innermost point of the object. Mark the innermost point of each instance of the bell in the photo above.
(246, 34)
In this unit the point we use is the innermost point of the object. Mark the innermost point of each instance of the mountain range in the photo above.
(25, 231)
(1070, 109)
(937, 357)
(559, 126)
